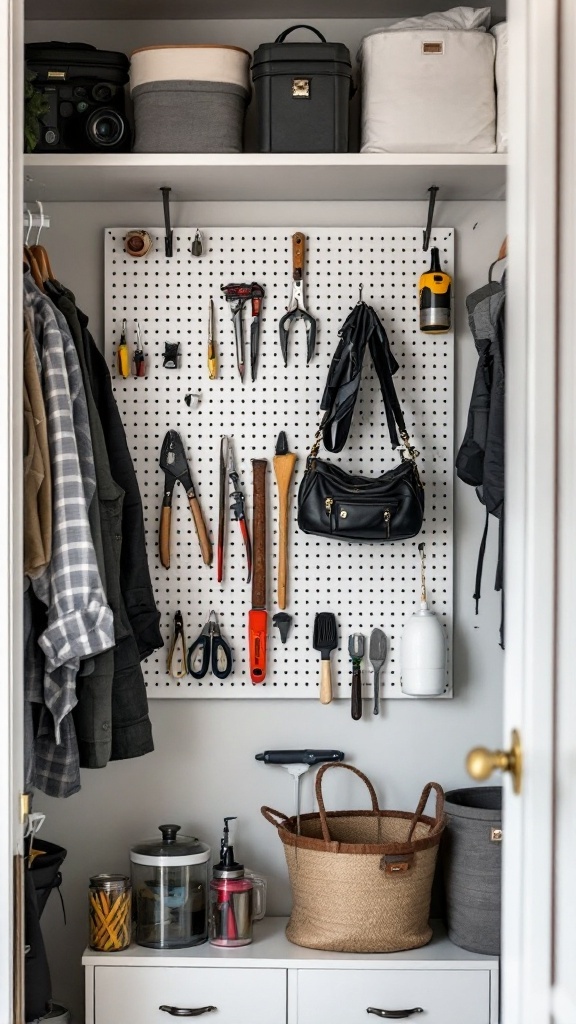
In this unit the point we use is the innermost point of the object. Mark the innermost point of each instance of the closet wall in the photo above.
(203, 766)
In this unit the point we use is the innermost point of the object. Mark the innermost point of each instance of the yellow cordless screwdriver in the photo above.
(435, 291)
(122, 354)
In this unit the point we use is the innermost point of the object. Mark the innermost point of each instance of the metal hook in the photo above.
(360, 290)
(41, 211)
(431, 202)
(168, 241)
(27, 238)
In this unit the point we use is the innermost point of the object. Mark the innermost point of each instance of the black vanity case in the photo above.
(302, 94)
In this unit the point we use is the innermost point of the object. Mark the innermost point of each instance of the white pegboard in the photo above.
(366, 585)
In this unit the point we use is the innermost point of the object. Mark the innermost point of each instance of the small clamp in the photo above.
(177, 665)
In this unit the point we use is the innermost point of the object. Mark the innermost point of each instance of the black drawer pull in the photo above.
(179, 1011)
(394, 1014)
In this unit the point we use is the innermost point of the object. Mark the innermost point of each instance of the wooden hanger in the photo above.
(503, 250)
(30, 259)
(43, 260)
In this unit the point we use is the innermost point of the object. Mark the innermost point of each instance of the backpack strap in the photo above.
(480, 565)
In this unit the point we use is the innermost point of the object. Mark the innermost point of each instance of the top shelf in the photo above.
(136, 177)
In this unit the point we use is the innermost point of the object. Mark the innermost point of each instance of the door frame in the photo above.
(11, 671)
(532, 446)
(531, 470)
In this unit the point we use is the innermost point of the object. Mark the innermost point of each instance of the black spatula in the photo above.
(325, 640)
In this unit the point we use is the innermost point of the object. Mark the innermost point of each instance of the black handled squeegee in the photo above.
(296, 762)
(307, 757)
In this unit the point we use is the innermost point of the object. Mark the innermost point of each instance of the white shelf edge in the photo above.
(83, 177)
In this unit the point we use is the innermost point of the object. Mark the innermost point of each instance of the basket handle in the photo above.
(270, 814)
(439, 812)
(325, 830)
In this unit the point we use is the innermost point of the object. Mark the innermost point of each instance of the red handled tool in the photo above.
(258, 616)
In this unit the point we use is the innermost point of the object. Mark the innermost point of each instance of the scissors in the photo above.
(208, 649)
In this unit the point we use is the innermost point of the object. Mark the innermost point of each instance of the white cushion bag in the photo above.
(428, 91)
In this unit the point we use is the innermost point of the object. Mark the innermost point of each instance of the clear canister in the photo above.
(110, 912)
(170, 879)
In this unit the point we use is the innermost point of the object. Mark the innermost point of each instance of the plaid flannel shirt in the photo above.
(79, 621)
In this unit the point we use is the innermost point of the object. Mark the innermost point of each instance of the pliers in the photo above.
(228, 468)
(296, 308)
(175, 465)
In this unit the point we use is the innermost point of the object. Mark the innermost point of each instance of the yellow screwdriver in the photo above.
(212, 359)
(122, 354)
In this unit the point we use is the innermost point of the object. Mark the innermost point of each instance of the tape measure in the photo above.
(435, 293)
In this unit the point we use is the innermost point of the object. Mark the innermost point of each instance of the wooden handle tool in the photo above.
(284, 462)
(258, 616)
(298, 255)
(202, 532)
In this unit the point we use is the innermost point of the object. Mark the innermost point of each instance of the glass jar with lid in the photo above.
(110, 913)
(170, 883)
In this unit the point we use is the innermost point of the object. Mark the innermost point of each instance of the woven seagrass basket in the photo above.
(361, 880)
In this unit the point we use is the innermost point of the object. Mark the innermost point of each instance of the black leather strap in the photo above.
(281, 38)
(362, 327)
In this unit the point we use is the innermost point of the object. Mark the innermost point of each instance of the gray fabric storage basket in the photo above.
(189, 117)
(471, 858)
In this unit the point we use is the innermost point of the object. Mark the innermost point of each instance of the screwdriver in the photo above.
(212, 359)
(122, 354)
(139, 357)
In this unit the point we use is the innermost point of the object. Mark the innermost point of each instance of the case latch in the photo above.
(301, 88)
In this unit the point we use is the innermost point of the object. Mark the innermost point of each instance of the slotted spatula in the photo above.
(325, 640)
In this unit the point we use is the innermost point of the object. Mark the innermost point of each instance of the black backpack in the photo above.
(480, 460)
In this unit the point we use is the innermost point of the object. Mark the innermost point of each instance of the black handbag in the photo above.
(334, 503)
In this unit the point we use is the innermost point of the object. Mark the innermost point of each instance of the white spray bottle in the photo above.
(423, 648)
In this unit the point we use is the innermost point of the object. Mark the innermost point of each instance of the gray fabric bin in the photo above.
(189, 117)
(471, 859)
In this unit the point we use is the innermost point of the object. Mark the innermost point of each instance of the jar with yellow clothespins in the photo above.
(110, 912)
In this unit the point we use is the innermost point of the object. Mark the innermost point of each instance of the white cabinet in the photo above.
(274, 982)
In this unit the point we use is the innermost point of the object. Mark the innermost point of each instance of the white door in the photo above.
(539, 984)
(11, 773)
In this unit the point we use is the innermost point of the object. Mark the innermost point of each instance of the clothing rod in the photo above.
(35, 220)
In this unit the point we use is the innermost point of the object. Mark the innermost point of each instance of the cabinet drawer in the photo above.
(133, 995)
(342, 997)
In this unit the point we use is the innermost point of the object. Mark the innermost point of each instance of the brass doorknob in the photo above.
(481, 762)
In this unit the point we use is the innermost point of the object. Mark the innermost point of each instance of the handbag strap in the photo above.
(385, 366)
(319, 797)
(439, 812)
(293, 28)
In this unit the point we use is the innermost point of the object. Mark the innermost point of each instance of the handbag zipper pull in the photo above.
(328, 506)
(387, 518)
